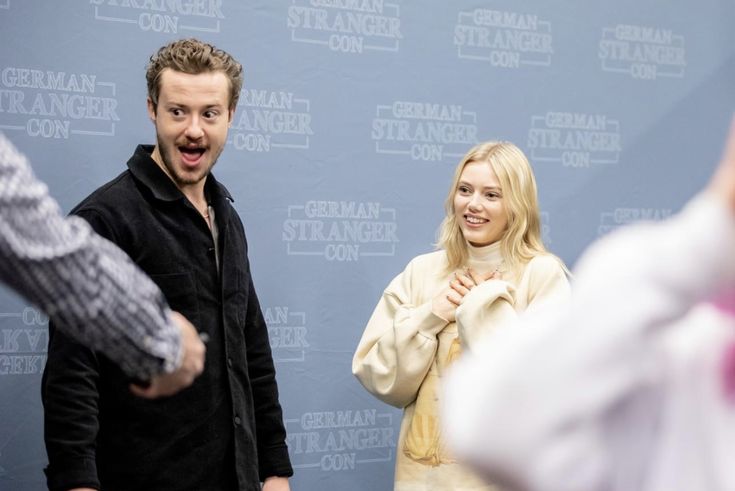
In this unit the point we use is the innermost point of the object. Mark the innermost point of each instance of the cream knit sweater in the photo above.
(406, 349)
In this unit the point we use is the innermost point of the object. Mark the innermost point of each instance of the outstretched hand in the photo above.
(192, 364)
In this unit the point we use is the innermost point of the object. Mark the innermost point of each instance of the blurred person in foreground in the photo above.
(629, 387)
(89, 286)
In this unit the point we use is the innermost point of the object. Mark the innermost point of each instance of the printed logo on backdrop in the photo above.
(574, 139)
(346, 26)
(268, 119)
(642, 52)
(423, 131)
(610, 220)
(56, 104)
(337, 441)
(287, 333)
(23, 345)
(504, 39)
(166, 16)
(4, 4)
(340, 230)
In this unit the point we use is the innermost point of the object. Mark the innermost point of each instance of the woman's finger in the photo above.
(459, 287)
(454, 297)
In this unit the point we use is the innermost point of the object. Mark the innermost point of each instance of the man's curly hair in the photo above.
(193, 56)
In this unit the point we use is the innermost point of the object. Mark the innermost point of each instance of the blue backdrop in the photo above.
(353, 116)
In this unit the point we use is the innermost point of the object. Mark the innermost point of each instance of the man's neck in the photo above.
(195, 194)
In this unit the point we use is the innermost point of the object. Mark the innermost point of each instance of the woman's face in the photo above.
(478, 205)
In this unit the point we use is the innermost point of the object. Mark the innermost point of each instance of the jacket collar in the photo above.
(145, 170)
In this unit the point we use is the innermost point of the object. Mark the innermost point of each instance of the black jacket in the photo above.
(227, 427)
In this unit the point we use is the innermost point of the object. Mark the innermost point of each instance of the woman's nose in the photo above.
(475, 202)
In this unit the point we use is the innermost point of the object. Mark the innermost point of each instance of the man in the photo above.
(176, 221)
(632, 387)
(89, 286)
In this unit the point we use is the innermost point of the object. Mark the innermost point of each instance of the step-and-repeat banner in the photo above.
(352, 118)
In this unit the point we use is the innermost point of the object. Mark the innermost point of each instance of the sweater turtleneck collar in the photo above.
(486, 256)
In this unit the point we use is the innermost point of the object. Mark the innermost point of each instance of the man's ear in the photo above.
(230, 116)
(151, 109)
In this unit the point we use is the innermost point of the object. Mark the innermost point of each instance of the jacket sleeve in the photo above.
(70, 399)
(492, 305)
(273, 459)
(399, 343)
(560, 404)
(82, 281)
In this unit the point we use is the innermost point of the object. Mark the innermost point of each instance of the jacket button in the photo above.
(237, 421)
(229, 362)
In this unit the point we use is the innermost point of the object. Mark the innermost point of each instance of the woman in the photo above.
(491, 266)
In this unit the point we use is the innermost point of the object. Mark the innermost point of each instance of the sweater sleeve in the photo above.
(85, 283)
(492, 304)
(486, 307)
(561, 404)
(548, 284)
(399, 343)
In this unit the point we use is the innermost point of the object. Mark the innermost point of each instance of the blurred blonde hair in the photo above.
(522, 238)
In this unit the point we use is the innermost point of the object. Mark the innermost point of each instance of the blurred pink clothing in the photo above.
(626, 388)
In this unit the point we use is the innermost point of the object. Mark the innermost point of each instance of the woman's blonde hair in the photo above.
(522, 238)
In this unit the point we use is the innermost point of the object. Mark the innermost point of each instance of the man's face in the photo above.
(192, 118)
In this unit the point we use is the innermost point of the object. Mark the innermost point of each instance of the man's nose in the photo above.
(194, 129)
